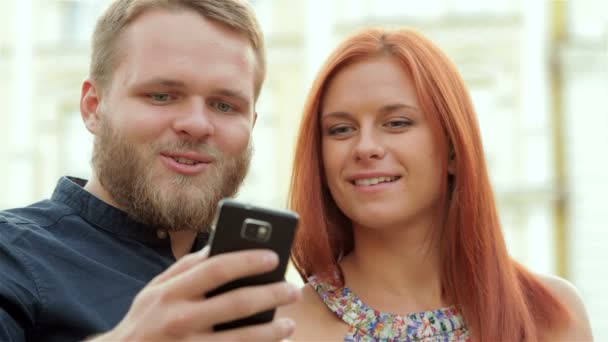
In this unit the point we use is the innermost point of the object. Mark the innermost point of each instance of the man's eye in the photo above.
(223, 107)
(160, 97)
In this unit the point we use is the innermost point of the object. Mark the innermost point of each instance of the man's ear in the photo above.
(452, 163)
(90, 103)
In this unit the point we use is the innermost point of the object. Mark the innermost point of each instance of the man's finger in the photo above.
(219, 270)
(245, 302)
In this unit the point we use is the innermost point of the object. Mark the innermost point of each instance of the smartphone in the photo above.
(238, 226)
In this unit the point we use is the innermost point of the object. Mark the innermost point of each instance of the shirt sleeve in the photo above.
(18, 290)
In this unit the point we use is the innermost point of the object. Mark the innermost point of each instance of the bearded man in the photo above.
(170, 100)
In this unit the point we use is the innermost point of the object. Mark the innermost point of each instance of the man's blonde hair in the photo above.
(236, 14)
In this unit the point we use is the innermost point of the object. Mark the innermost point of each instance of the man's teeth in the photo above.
(185, 161)
(374, 181)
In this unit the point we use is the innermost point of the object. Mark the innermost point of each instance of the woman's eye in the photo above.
(398, 124)
(340, 130)
(223, 107)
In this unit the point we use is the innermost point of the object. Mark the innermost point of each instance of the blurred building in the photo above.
(537, 71)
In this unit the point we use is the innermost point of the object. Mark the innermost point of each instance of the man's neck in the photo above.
(181, 241)
(94, 187)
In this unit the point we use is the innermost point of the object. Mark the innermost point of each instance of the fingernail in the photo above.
(292, 291)
(288, 326)
(270, 258)
(204, 252)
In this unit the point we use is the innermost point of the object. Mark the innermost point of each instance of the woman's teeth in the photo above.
(374, 181)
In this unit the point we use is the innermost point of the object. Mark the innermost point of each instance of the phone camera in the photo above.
(256, 230)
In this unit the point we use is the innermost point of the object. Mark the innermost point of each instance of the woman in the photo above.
(399, 235)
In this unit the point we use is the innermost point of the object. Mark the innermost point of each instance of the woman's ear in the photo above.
(89, 105)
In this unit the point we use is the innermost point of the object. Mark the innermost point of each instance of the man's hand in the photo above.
(172, 306)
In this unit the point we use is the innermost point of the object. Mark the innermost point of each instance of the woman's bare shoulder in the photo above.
(314, 321)
(579, 328)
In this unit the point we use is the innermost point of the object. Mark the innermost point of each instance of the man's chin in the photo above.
(171, 181)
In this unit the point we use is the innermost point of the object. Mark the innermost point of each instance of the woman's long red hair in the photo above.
(500, 299)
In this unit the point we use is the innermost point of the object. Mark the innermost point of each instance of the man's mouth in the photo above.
(185, 161)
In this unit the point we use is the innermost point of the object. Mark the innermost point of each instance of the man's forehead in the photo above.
(172, 51)
(171, 25)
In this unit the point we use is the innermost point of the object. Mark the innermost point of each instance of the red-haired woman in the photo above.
(400, 238)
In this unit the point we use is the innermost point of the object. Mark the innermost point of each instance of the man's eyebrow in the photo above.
(239, 95)
(165, 82)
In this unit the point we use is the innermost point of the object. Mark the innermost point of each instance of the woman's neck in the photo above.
(396, 270)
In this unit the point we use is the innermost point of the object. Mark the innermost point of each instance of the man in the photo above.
(170, 100)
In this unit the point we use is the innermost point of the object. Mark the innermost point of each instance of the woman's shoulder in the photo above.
(579, 328)
(314, 321)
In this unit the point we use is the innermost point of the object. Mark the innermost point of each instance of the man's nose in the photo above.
(195, 121)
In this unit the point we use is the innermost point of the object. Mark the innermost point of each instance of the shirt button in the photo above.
(161, 234)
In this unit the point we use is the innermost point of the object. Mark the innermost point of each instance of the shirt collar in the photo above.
(70, 191)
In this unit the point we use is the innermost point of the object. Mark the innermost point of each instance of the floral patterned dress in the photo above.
(369, 325)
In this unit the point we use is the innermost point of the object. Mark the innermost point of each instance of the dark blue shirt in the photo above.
(71, 266)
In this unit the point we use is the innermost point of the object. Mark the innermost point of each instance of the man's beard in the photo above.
(152, 195)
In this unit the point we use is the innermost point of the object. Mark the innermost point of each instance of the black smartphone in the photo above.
(238, 226)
